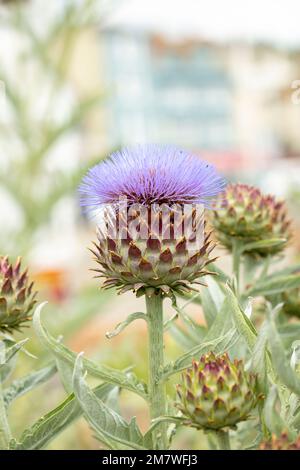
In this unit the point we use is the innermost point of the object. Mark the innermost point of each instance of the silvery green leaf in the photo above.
(107, 423)
(53, 423)
(212, 298)
(242, 323)
(222, 324)
(272, 242)
(258, 357)
(249, 308)
(113, 400)
(185, 338)
(223, 321)
(181, 336)
(251, 267)
(181, 313)
(279, 359)
(292, 269)
(273, 420)
(289, 332)
(121, 326)
(293, 407)
(65, 371)
(295, 357)
(106, 373)
(248, 437)
(295, 418)
(25, 384)
(8, 356)
(273, 285)
(177, 420)
(191, 333)
(192, 329)
(221, 336)
(219, 345)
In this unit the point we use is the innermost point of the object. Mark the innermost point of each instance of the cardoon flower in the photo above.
(216, 393)
(162, 187)
(16, 296)
(244, 214)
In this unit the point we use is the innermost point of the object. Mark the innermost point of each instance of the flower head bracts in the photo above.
(243, 213)
(17, 297)
(216, 393)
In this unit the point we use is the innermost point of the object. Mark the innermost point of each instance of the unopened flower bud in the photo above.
(216, 393)
(17, 297)
(243, 213)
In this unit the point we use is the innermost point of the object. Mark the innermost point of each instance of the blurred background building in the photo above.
(231, 103)
(81, 78)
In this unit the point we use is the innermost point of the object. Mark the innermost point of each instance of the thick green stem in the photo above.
(223, 440)
(5, 434)
(157, 394)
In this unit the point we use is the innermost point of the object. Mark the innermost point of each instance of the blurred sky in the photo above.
(259, 20)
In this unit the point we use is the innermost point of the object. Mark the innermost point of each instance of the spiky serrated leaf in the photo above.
(273, 420)
(25, 384)
(65, 371)
(106, 373)
(121, 326)
(106, 422)
(279, 360)
(53, 423)
(8, 356)
(258, 357)
(273, 285)
(212, 298)
(244, 326)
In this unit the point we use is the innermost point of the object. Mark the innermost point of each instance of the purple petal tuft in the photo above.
(149, 174)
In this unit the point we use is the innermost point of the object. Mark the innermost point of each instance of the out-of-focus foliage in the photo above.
(43, 113)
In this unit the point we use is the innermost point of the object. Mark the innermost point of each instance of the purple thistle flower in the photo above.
(151, 174)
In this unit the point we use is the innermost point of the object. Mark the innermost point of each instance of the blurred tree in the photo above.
(40, 143)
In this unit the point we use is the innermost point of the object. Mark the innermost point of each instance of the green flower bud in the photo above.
(244, 213)
(216, 393)
(16, 296)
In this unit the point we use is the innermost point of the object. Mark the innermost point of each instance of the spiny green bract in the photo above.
(16, 296)
(158, 261)
(243, 213)
(216, 393)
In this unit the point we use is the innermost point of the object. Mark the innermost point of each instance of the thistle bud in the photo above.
(153, 262)
(216, 393)
(16, 296)
(281, 443)
(244, 213)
